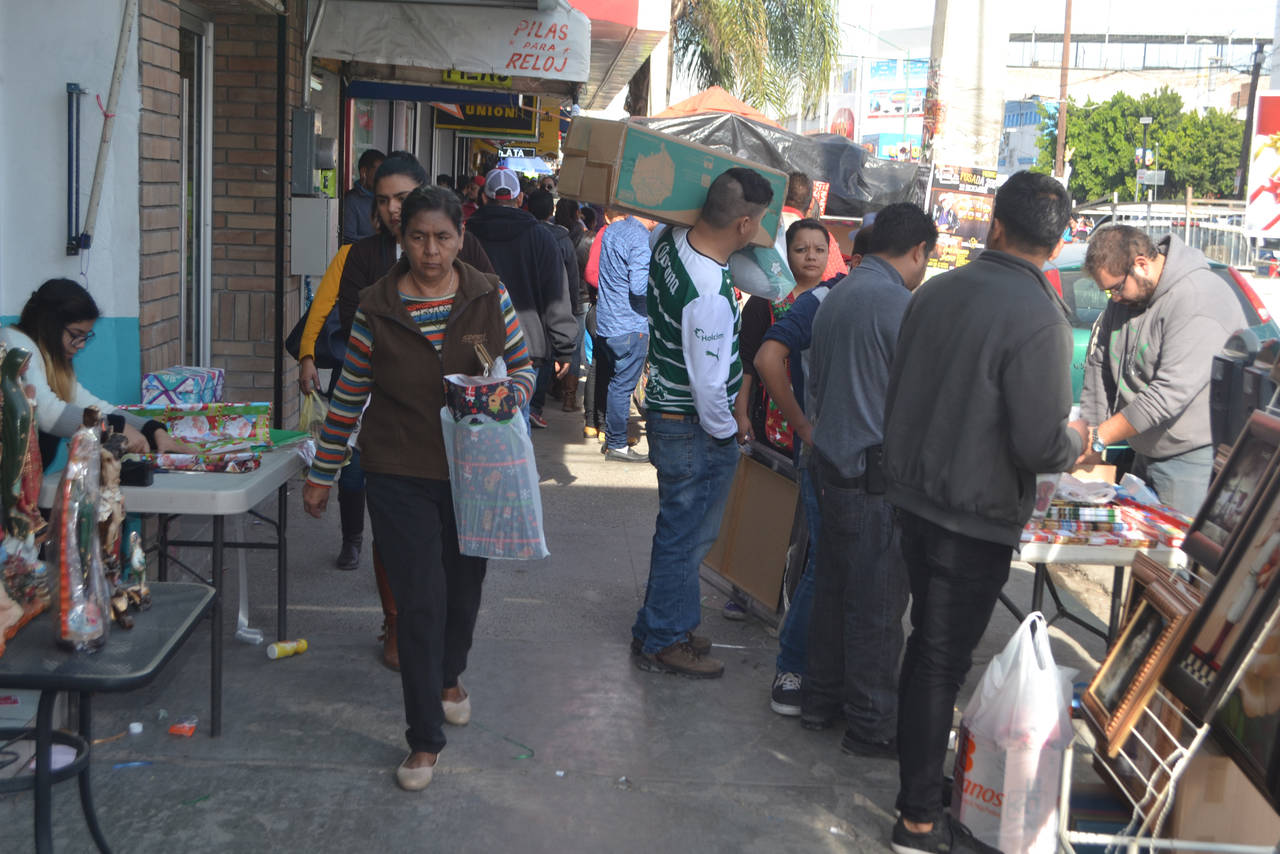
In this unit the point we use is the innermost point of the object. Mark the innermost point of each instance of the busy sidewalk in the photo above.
(570, 747)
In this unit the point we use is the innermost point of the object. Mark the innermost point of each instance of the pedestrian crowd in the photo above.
(917, 415)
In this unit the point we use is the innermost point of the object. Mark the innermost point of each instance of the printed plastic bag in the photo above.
(494, 480)
(1014, 733)
(312, 414)
(763, 271)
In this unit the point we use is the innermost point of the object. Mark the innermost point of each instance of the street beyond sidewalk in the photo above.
(570, 748)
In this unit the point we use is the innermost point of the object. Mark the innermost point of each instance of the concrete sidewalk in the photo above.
(570, 747)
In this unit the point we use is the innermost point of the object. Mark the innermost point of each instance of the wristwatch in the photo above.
(1097, 445)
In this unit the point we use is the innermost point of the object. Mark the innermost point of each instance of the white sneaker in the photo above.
(459, 713)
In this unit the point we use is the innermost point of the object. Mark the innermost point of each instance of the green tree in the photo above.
(761, 50)
(1196, 151)
(1204, 153)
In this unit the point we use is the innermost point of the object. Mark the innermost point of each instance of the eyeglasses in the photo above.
(78, 337)
(1112, 288)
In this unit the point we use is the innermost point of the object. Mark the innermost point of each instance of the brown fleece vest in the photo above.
(400, 433)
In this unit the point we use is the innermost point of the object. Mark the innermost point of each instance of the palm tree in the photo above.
(762, 50)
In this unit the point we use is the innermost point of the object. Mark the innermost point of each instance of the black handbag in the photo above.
(331, 344)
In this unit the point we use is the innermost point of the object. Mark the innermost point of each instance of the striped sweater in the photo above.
(356, 381)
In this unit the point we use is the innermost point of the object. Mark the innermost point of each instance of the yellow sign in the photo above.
(466, 78)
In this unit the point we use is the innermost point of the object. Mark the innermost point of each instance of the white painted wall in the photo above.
(43, 46)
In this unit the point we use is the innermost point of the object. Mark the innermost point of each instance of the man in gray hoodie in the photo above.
(1147, 374)
(978, 401)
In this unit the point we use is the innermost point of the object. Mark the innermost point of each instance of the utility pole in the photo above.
(1142, 158)
(1242, 172)
(1059, 159)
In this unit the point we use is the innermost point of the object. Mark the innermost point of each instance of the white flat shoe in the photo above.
(459, 713)
(414, 779)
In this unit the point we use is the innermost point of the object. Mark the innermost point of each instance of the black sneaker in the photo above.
(947, 837)
(785, 699)
(855, 746)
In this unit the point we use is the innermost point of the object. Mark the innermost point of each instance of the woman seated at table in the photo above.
(415, 326)
(56, 324)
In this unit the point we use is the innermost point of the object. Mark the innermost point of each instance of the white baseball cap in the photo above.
(501, 179)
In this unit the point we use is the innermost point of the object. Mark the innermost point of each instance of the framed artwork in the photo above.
(1248, 724)
(1225, 626)
(1144, 571)
(1131, 671)
(1234, 491)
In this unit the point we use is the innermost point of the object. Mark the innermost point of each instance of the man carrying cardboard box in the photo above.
(695, 373)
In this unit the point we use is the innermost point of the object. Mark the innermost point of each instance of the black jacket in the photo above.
(569, 257)
(528, 261)
(979, 397)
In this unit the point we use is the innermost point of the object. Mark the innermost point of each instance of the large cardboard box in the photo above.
(755, 532)
(1215, 802)
(651, 174)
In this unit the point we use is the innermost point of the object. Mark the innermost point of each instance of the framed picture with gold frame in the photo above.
(1234, 491)
(1132, 669)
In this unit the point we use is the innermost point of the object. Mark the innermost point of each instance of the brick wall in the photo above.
(244, 204)
(158, 187)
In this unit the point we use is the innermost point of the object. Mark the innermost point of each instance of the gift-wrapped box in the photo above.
(228, 437)
(182, 384)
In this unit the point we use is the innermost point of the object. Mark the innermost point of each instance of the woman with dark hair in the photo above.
(352, 270)
(56, 324)
(414, 326)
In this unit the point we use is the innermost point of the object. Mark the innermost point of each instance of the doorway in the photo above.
(195, 41)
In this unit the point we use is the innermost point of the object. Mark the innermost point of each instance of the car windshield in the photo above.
(1086, 301)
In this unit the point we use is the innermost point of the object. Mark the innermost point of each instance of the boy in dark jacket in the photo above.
(978, 401)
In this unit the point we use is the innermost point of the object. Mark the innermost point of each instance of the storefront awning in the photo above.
(526, 42)
(623, 34)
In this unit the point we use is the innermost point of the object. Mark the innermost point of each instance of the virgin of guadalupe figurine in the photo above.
(20, 469)
(75, 547)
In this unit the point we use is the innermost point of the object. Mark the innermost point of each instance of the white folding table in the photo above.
(216, 495)
(1040, 555)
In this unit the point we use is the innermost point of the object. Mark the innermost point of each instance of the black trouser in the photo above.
(859, 596)
(955, 582)
(437, 593)
(595, 396)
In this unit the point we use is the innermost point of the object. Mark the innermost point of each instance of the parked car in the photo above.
(1081, 294)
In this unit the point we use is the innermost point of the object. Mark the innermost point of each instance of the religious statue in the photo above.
(75, 547)
(20, 468)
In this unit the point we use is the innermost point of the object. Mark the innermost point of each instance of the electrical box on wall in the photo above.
(304, 152)
(313, 235)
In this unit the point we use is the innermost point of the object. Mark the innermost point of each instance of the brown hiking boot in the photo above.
(701, 645)
(679, 658)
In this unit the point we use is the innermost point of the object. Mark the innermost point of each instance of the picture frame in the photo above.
(1247, 726)
(1234, 491)
(1123, 685)
(1144, 571)
(1234, 609)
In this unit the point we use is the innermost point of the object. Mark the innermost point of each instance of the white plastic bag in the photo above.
(1013, 735)
(494, 479)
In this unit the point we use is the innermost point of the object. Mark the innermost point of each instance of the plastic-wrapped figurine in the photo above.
(136, 578)
(20, 469)
(110, 520)
(74, 545)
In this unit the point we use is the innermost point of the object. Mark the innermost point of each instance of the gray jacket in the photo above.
(1152, 364)
(979, 394)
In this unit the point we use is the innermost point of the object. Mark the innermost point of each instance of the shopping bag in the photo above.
(494, 479)
(763, 271)
(1013, 736)
(312, 414)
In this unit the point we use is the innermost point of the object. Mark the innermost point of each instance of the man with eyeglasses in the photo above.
(1146, 378)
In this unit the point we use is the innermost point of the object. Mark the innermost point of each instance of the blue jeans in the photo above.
(629, 353)
(793, 638)
(1182, 482)
(695, 472)
(546, 369)
(860, 594)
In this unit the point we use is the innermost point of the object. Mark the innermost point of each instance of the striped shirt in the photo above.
(693, 335)
(356, 382)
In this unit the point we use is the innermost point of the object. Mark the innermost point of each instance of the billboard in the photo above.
(1262, 210)
(960, 201)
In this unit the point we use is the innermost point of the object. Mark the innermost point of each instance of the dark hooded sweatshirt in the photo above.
(527, 260)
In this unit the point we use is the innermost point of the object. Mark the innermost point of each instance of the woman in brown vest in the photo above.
(415, 325)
